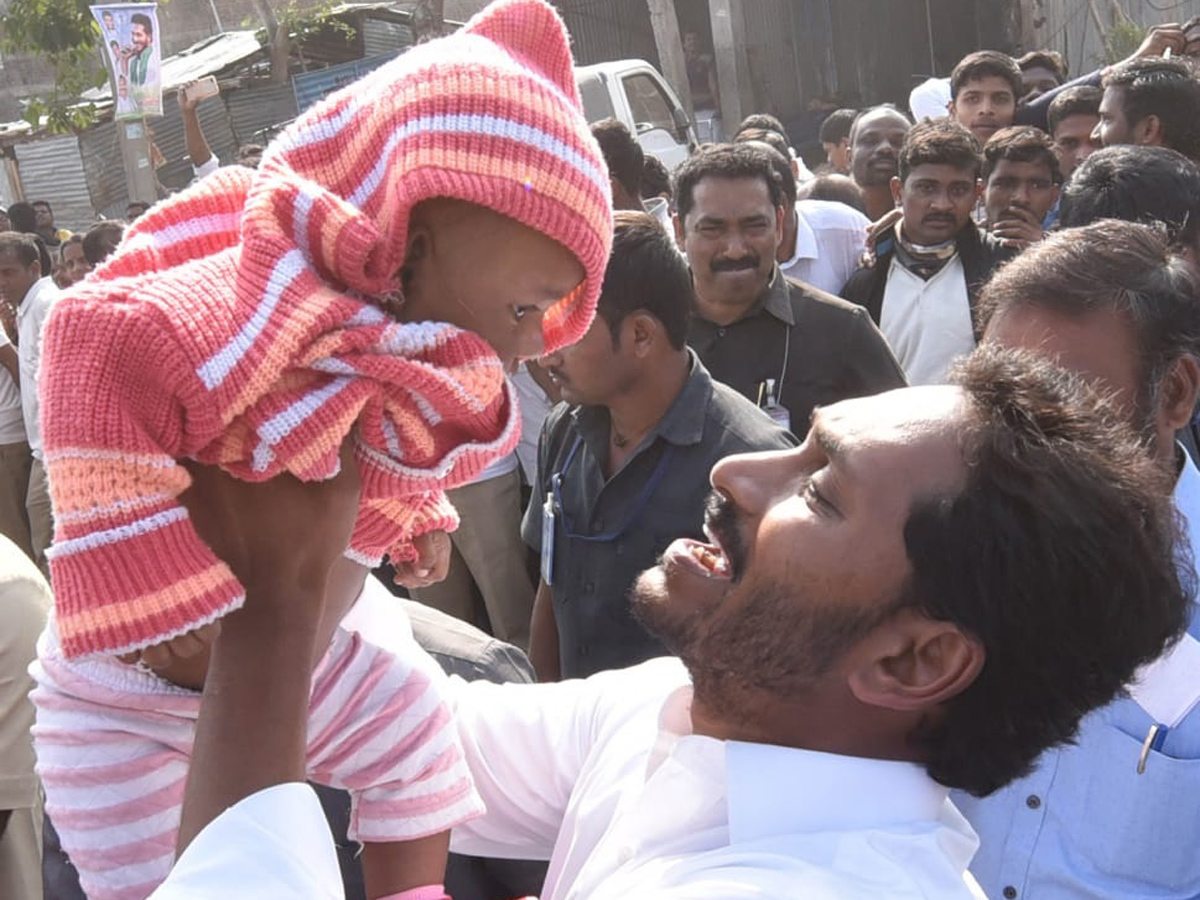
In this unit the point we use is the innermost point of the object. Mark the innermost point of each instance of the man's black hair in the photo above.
(836, 127)
(143, 20)
(986, 64)
(1167, 89)
(1058, 555)
(730, 161)
(1021, 143)
(762, 120)
(23, 217)
(100, 239)
(835, 188)
(1044, 59)
(645, 273)
(26, 247)
(622, 153)
(1081, 100)
(1135, 184)
(656, 180)
(939, 142)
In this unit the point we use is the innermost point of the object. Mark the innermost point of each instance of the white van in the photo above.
(632, 91)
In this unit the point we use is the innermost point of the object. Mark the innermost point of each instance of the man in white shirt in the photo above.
(930, 265)
(31, 293)
(15, 460)
(876, 620)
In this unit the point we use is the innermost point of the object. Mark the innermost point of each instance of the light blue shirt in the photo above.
(1085, 824)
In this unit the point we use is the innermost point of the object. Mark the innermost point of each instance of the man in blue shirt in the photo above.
(1117, 815)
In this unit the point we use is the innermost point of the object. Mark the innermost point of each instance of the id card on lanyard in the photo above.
(548, 539)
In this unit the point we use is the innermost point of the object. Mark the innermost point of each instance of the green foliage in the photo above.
(302, 19)
(64, 33)
(1122, 40)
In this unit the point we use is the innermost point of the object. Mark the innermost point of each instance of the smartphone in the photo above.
(205, 87)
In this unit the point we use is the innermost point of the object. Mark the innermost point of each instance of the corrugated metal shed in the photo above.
(257, 109)
(382, 36)
(52, 170)
(104, 169)
(603, 30)
(771, 55)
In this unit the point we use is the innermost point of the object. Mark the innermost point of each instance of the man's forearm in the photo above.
(543, 636)
(252, 732)
(197, 146)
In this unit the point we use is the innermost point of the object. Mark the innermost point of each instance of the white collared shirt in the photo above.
(31, 317)
(605, 778)
(927, 323)
(12, 412)
(829, 243)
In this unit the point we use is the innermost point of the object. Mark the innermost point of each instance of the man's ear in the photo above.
(677, 220)
(1179, 392)
(914, 663)
(642, 332)
(1148, 132)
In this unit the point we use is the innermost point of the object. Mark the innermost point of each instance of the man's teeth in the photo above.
(714, 562)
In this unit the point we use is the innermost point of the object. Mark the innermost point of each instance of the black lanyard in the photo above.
(638, 506)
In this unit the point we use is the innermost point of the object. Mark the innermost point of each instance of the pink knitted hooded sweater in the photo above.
(233, 326)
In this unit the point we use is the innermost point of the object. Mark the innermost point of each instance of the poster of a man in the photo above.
(129, 34)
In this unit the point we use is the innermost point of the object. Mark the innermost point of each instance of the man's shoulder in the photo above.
(815, 304)
(829, 214)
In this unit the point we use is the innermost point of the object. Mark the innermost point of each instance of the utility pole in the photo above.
(277, 41)
(133, 137)
(733, 69)
(667, 39)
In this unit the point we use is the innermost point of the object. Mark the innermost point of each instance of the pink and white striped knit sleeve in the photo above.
(114, 743)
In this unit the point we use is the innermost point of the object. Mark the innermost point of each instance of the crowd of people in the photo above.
(447, 500)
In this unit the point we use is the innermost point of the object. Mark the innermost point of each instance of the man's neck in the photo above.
(725, 313)
(879, 201)
(633, 415)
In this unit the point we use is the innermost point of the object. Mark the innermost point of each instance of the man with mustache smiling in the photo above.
(772, 339)
(875, 141)
(929, 267)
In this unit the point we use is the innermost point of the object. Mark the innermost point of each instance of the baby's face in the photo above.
(487, 273)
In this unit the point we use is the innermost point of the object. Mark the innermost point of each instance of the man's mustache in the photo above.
(735, 265)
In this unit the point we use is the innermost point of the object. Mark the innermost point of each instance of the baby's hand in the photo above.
(432, 562)
(185, 646)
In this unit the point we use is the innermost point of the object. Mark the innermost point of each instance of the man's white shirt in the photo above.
(31, 318)
(829, 244)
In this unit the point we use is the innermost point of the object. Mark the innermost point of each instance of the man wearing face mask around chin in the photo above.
(783, 344)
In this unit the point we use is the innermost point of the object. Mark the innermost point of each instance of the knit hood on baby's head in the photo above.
(489, 115)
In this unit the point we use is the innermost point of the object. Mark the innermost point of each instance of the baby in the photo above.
(401, 245)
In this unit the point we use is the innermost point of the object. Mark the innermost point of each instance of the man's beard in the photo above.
(776, 641)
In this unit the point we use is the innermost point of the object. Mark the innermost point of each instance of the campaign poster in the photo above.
(132, 47)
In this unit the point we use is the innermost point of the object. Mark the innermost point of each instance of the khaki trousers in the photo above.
(41, 520)
(487, 563)
(15, 464)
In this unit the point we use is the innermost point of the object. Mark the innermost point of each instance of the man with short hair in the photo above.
(51, 235)
(852, 645)
(1138, 184)
(835, 140)
(1041, 71)
(984, 88)
(929, 267)
(1021, 183)
(757, 122)
(101, 240)
(625, 159)
(135, 209)
(23, 285)
(74, 265)
(1153, 102)
(822, 241)
(1073, 116)
(1111, 303)
(623, 464)
(875, 141)
(141, 53)
(775, 341)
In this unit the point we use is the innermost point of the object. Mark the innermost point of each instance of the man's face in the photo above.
(984, 105)
(16, 278)
(139, 37)
(1114, 127)
(43, 215)
(1100, 346)
(1074, 142)
(691, 43)
(109, 24)
(807, 552)
(937, 201)
(730, 236)
(1037, 80)
(1019, 185)
(875, 147)
(487, 273)
(839, 155)
(591, 371)
(75, 264)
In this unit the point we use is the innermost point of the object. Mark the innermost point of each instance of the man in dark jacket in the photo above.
(923, 286)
